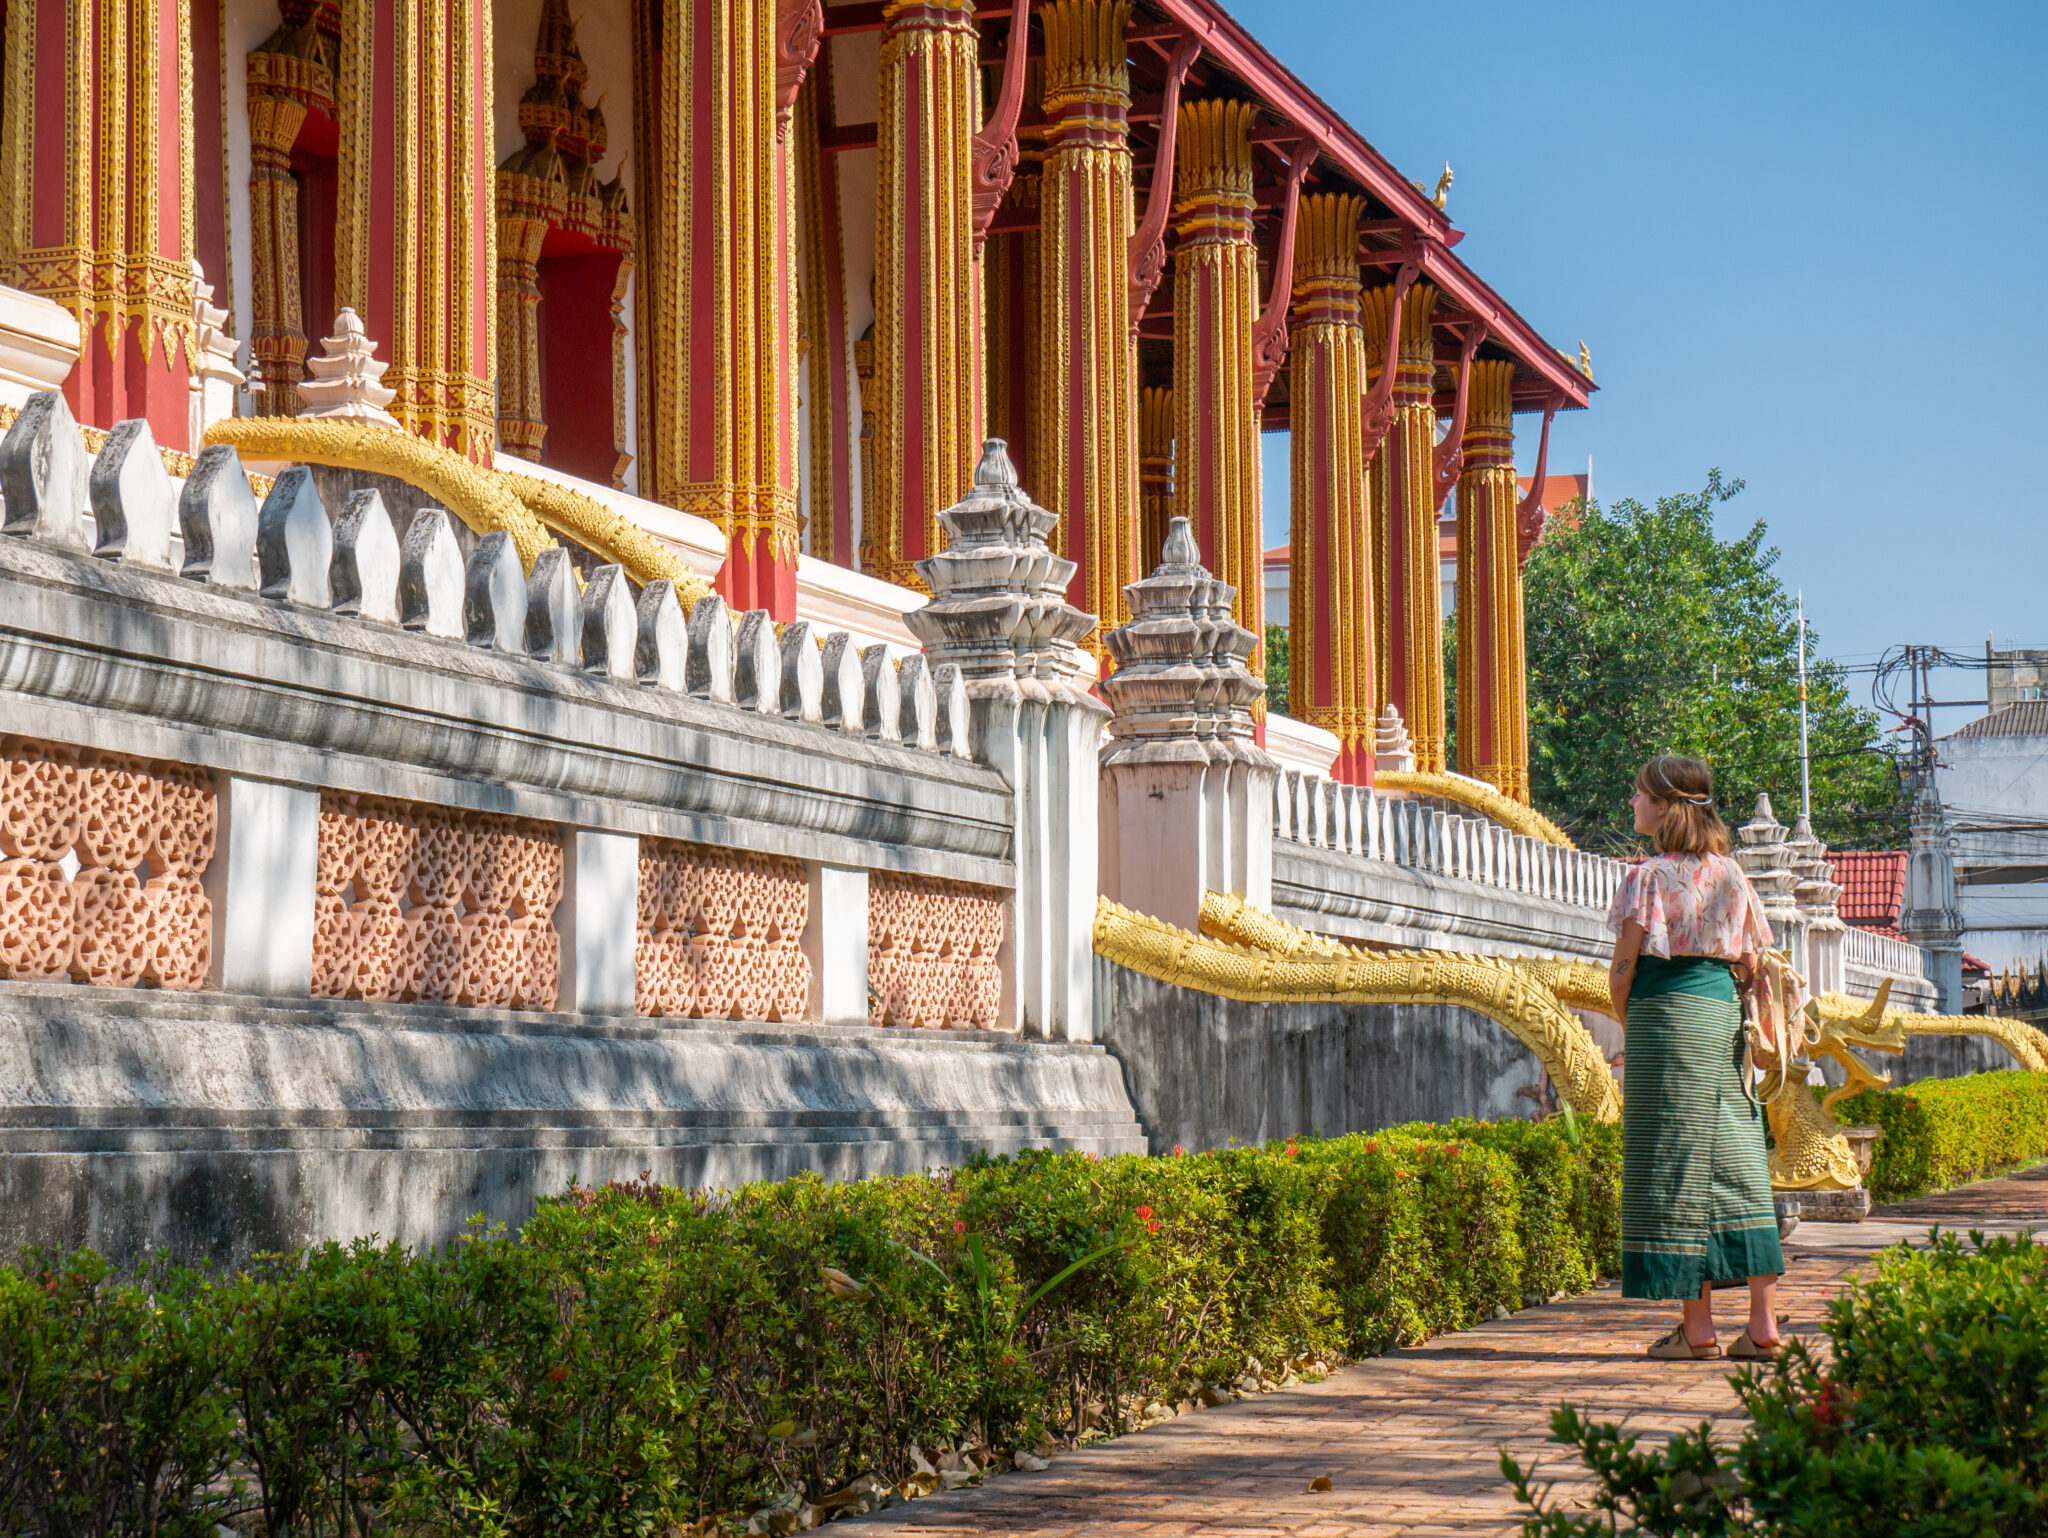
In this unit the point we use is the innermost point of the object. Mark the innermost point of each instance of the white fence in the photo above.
(1355, 820)
(1887, 954)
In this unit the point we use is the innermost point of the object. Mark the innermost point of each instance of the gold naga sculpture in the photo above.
(1247, 953)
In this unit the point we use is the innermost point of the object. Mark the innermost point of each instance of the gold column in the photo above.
(529, 200)
(1330, 645)
(289, 75)
(1407, 602)
(1493, 701)
(713, 399)
(1155, 473)
(928, 342)
(1085, 429)
(416, 227)
(1215, 307)
(1011, 262)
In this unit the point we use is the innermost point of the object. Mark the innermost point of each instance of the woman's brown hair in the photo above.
(1691, 825)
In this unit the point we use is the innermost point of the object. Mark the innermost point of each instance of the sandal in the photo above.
(1676, 1348)
(1747, 1350)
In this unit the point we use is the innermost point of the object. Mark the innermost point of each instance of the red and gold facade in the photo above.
(781, 264)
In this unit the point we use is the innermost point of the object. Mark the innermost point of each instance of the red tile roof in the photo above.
(1873, 885)
(2025, 718)
(1558, 490)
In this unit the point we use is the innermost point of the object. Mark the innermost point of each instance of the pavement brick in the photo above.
(1411, 1441)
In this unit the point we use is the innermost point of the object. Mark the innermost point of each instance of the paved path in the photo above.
(1411, 1441)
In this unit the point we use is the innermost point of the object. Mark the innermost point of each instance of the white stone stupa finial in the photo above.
(1393, 749)
(345, 380)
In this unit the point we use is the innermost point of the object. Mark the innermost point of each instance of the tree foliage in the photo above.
(1648, 634)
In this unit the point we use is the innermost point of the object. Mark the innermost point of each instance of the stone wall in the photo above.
(1205, 1071)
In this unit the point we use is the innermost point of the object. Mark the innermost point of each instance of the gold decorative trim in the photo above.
(483, 499)
(1484, 799)
(611, 535)
(2028, 1046)
(1320, 971)
(1493, 710)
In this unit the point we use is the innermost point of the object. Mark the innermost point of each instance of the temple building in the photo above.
(782, 267)
(676, 586)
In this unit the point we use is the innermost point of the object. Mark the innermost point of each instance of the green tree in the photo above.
(1276, 669)
(1647, 634)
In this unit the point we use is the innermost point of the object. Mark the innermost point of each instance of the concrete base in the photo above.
(216, 1127)
(1206, 1071)
(1827, 1206)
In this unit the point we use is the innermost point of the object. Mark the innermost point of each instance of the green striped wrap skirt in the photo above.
(1695, 1179)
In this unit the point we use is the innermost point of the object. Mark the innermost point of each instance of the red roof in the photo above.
(1277, 556)
(1558, 490)
(1873, 885)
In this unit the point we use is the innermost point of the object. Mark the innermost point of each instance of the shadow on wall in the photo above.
(1204, 1071)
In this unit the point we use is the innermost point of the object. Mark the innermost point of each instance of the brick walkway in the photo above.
(1411, 1441)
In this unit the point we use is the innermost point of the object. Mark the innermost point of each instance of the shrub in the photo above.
(639, 1356)
(1924, 1418)
(1942, 1132)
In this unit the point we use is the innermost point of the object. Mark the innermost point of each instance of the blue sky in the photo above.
(1805, 242)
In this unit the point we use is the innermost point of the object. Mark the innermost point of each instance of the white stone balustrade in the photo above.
(1402, 830)
(1893, 955)
(353, 561)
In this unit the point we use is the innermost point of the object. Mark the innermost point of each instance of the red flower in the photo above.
(557, 1374)
(1372, 1148)
(959, 1227)
(1451, 1149)
(1152, 1225)
(1292, 1150)
(1145, 1212)
(1178, 1150)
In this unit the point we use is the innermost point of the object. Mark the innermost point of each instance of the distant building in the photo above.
(1993, 780)
(1559, 492)
(2019, 673)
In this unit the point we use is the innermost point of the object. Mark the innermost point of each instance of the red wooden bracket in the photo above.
(1148, 240)
(1450, 454)
(1376, 411)
(995, 147)
(1269, 333)
(1529, 515)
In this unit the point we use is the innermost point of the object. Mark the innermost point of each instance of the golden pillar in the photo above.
(529, 200)
(1330, 645)
(290, 75)
(1155, 474)
(1407, 600)
(416, 211)
(1085, 428)
(928, 361)
(713, 397)
(1493, 685)
(1215, 308)
(96, 179)
(1010, 259)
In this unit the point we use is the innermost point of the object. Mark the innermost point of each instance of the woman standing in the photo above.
(1696, 1207)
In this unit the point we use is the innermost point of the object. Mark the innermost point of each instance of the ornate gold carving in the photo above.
(1493, 708)
(1306, 968)
(1407, 601)
(290, 74)
(1512, 815)
(1155, 473)
(611, 535)
(1215, 310)
(1084, 430)
(1330, 643)
(928, 341)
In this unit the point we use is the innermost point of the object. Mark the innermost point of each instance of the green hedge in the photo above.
(1941, 1132)
(639, 1356)
(1923, 1417)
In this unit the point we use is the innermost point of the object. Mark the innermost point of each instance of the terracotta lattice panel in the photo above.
(425, 905)
(139, 834)
(932, 952)
(721, 933)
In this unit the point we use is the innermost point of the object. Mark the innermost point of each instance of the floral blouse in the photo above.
(1691, 905)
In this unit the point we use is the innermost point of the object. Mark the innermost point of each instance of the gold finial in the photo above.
(1442, 195)
(1585, 359)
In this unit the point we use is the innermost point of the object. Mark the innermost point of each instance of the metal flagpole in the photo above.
(1805, 778)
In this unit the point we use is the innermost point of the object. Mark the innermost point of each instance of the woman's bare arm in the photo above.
(1621, 972)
